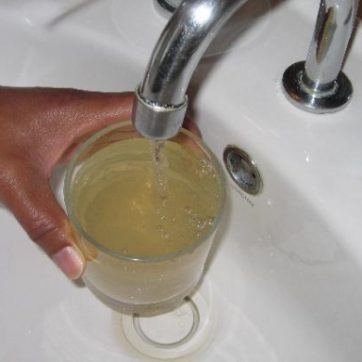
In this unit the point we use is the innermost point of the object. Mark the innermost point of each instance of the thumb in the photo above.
(32, 201)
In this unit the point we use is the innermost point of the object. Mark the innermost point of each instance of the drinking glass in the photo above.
(137, 283)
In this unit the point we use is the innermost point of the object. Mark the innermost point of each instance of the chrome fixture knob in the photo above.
(318, 85)
(305, 95)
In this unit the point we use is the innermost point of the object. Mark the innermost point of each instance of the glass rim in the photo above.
(83, 233)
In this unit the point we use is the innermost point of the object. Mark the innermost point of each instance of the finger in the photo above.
(79, 114)
(88, 112)
(191, 126)
(31, 200)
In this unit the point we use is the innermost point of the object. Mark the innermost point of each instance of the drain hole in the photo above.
(174, 334)
(242, 170)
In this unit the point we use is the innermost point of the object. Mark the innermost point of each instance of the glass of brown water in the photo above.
(146, 213)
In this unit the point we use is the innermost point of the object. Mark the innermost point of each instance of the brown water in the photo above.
(146, 199)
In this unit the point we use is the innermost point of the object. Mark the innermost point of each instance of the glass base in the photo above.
(140, 309)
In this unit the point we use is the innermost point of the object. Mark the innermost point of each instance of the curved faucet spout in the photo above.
(161, 98)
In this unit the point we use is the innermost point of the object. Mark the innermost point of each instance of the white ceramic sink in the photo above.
(286, 279)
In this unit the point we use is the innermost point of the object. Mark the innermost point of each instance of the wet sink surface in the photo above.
(286, 276)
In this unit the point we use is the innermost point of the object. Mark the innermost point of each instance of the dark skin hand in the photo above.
(39, 128)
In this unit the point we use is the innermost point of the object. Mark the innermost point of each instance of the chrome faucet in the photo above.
(161, 100)
(318, 85)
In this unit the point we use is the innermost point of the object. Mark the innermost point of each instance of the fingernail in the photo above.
(69, 261)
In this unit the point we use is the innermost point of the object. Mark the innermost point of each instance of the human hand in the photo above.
(38, 129)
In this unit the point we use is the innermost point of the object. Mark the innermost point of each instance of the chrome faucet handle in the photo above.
(318, 85)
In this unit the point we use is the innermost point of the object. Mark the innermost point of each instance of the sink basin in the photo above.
(285, 278)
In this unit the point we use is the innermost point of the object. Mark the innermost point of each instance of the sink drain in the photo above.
(175, 334)
(243, 170)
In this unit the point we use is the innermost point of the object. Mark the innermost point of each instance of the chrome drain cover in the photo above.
(243, 170)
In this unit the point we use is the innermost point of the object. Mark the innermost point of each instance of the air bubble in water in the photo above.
(205, 168)
(201, 224)
(188, 210)
(210, 220)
